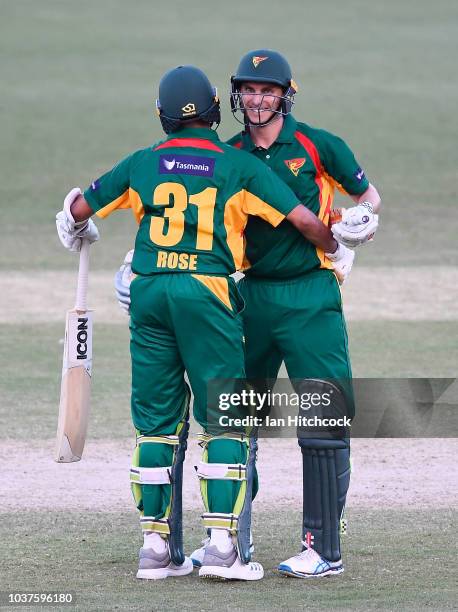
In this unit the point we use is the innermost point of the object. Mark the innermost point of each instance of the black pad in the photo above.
(330, 402)
(176, 509)
(326, 478)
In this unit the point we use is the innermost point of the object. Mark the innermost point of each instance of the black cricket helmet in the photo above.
(186, 94)
(263, 66)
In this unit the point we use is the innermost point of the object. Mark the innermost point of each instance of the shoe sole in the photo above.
(329, 572)
(163, 572)
(227, 573)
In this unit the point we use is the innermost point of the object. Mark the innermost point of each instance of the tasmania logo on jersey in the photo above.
(186, 164)
(257, 59)
(295, 164)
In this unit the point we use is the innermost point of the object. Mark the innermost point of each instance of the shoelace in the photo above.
(308, 552)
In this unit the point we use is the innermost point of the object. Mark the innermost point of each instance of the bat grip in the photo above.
(81, 290)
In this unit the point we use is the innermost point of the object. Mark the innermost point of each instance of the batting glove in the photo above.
(71, 232)
(122, 282)
(357, 227)
(342, 262)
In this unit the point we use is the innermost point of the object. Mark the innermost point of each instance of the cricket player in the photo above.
(192, 196)
(293, 309)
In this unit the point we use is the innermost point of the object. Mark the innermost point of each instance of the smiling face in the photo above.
(260, 101)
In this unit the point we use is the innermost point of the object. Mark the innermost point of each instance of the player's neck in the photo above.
(265, 136)
(196, 124)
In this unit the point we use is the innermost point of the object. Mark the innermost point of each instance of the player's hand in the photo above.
(71, 232)
(122, 281)
(342, 262)
(357, 227)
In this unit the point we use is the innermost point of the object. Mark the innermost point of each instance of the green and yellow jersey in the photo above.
(192, 196)
(313, 163)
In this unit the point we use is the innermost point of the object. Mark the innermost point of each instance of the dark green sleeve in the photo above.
(339, 162)
(111, 191)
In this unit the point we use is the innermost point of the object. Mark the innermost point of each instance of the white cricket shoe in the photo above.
(198, 555)
(309, 564)
(218, 565)
(155, 565)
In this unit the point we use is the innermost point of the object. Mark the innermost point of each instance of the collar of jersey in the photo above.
(205, 133)
(286, 134)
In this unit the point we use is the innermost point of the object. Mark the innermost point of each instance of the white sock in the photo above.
(221, 538)
(153, 540)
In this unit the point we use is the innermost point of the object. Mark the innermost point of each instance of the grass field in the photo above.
(30, 378)
(378, 75)
(82, 553)
(80, 81)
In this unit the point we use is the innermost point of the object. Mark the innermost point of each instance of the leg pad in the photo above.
(326, 478)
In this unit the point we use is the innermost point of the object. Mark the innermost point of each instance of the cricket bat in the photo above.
(76, 372)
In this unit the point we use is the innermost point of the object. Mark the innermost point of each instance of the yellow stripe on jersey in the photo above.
(121, 202)
(236, 211)
(136, 205)
(255, 206)
(235, 220)
(129, 199)
(218, 285)
(334, 183)
(326, 198)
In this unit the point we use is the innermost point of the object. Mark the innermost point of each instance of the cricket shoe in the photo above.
(198, 555)
(156, 565)
(309, 564)
(218, 565)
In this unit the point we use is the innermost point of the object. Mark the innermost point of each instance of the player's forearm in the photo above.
(73, 221)
(312, 228)
(370, 195)
(80, 209)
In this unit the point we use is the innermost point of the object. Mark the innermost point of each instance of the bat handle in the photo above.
(81, 290)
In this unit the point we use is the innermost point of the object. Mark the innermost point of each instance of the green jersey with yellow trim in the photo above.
(191, 195)
(312, 163)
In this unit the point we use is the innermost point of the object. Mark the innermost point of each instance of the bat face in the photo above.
(75, 387)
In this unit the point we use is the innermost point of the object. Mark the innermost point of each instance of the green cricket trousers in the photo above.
(183, 322)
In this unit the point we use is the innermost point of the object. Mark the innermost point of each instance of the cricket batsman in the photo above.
(192, 196)
(293, 303)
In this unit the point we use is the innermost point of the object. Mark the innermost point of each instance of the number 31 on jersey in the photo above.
(172, 234)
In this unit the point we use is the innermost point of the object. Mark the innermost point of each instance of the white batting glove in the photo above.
(357, 227)
(122, 282)
(342, 262)
(71, 232)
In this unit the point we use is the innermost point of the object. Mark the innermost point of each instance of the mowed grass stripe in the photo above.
(403, 294)
(394, 560)
(63, 90)
(32, 361)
